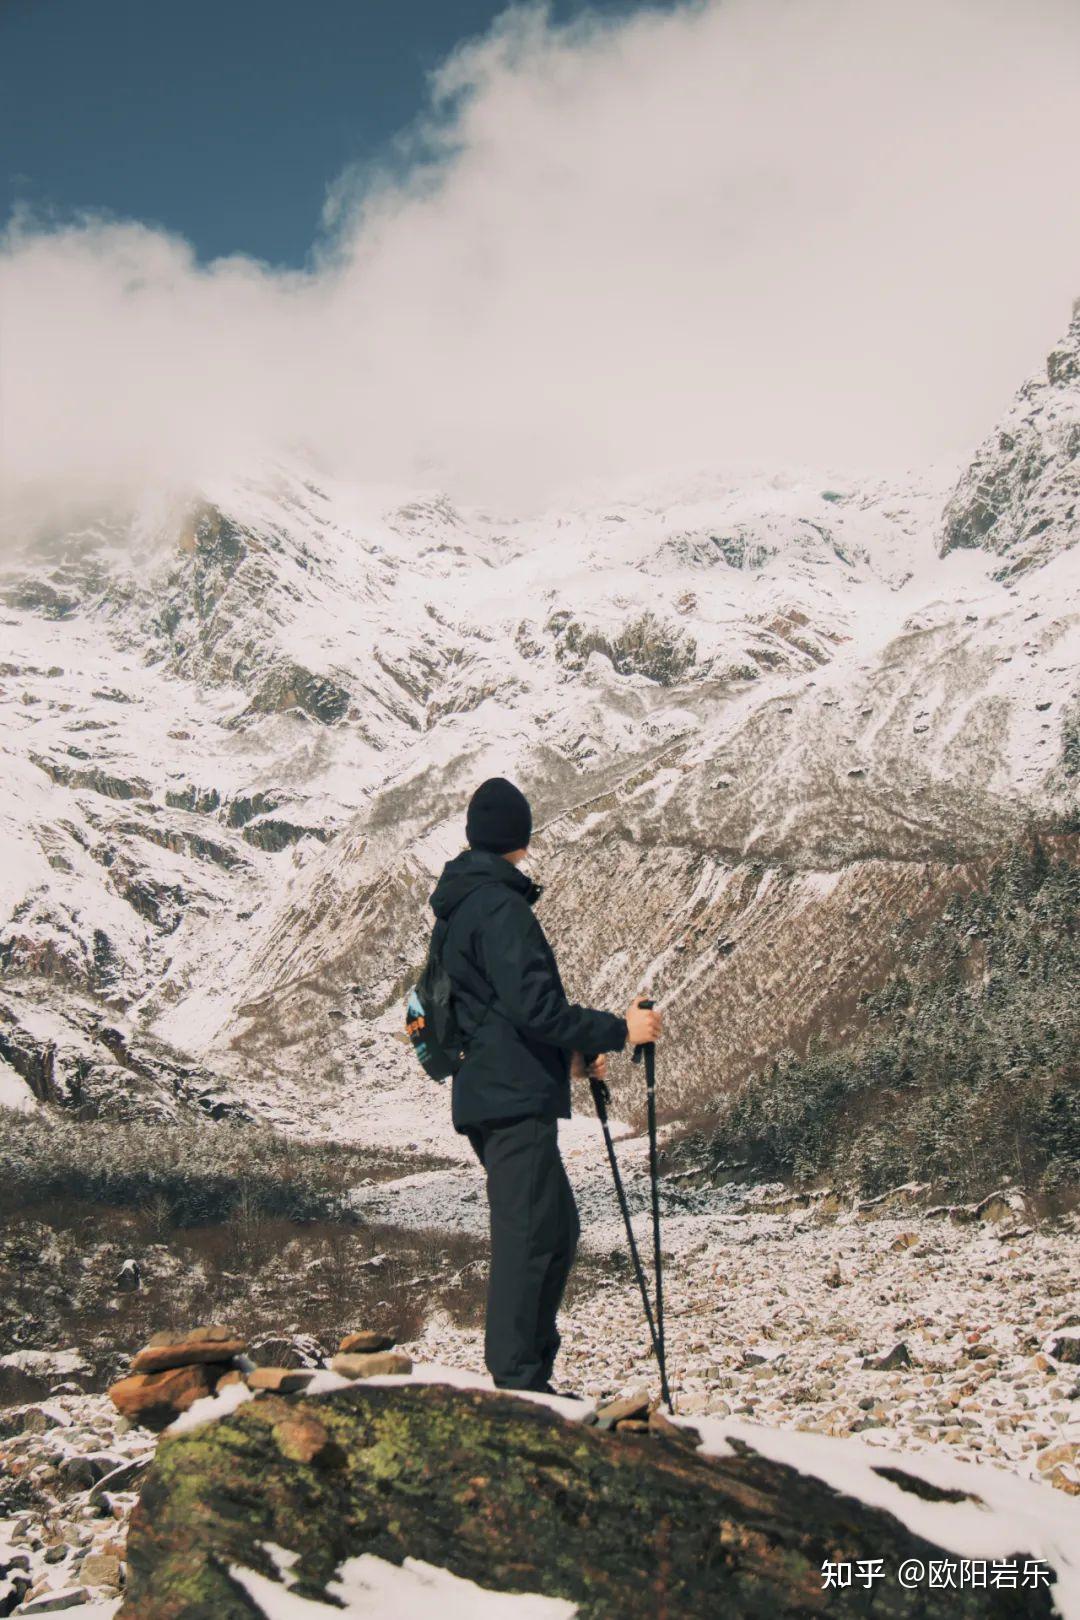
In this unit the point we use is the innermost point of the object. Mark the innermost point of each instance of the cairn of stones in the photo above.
(174, 1370)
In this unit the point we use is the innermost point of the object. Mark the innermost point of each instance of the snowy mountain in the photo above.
(1019, 497)
(762, 721)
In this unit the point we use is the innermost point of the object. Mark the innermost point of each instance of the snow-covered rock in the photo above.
(1019, 498)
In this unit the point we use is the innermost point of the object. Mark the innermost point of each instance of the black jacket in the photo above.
(517, 1045)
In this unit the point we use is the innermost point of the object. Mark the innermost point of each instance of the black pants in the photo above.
(534, 1235)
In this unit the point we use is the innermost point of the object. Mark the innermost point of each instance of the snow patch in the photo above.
(1004, 1516)
(210, 1408)
(47, 1363)
(370, 1588)
(14, 1091)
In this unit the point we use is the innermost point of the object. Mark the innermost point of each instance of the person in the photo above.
(522, 1039)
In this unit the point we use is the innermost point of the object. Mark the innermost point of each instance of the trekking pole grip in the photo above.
(636, 1055)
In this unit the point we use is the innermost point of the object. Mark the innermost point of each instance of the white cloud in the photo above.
(833, 231)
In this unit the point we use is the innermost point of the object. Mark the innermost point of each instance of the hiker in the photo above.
(522, 1039)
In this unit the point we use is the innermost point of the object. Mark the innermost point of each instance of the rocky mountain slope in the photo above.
(763, 722)
(1019, 498)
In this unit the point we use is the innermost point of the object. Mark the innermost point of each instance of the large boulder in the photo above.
(505, 1493)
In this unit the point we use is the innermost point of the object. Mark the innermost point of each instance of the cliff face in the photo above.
(1019, 499)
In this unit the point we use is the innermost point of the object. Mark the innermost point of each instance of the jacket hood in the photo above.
(470, 870)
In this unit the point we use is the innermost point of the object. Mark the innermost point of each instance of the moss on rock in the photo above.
(503, 1492)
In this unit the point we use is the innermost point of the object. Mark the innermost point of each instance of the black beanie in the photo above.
(499, 818)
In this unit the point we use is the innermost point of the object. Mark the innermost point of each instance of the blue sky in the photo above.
(827, 234)
(223, 120)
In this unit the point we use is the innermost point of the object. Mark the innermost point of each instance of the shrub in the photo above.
(188, 1175)
(967, 1073)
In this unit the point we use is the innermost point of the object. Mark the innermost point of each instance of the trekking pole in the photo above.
(600, 1095)
(648, 1048)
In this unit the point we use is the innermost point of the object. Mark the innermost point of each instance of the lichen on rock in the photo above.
(505, 1493)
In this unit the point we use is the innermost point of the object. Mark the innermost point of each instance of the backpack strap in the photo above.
(492, 995)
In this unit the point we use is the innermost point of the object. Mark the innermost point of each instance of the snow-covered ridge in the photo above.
(1019, 497)
(239, 731)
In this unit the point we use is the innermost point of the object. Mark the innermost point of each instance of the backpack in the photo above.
(430, 1020)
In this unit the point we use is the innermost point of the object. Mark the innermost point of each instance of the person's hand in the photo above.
(643, 1024)
(596, 1070)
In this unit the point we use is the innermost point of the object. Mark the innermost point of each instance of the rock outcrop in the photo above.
(507, 1494)
(1019, 497)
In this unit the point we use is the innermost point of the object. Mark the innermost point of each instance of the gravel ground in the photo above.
(774, 1307)
(64, 1503)
(775, 1304)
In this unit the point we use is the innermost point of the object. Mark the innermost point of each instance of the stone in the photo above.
(100, 1569)
(120, 1479)
(906, 1240)
(898, 1356)
(278, 1351)
(1066, 1347)
(365, 1342)
(17, 1385)
(629, 1406)
(50, 1602)
(166, 1350)
(282, 1380)
(129, 1277)
(1060, 1465)
(33, 1420)
(12, 1591)
(81, 1472)
(380, 1364)
(13, 1588)
(154, 1399)
(302, 1438)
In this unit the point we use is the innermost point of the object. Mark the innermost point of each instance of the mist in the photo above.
(782, 232)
